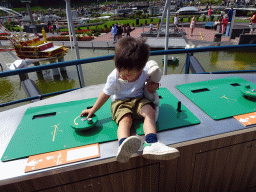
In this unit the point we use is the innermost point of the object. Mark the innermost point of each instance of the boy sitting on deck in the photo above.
(125, 85)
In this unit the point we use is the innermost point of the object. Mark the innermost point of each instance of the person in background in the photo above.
(48, 24)
(230, 14)
(124, 30)
(119, 31)
(218, 23)
(209, 13)
(224, 24)
(128, 30)
(222, 13)
(53, 27)
(158, 25)
(252, 24)
(151, 26)
(50, 27)
(57, 26)
(192, 25)
(114, 32)
(228, 3)
(176, 22)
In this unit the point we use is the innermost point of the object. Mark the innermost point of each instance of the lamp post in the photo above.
(30, 15)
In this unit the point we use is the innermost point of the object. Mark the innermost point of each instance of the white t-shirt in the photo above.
(120, 89)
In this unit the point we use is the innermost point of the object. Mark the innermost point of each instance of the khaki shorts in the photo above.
(132, 105)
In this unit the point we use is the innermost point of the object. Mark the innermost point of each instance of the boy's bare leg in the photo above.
(148, 113)
(124, 126)
(130, 145)
(155, 150)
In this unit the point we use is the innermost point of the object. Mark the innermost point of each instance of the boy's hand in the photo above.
(87, 112)
(97, 105)
(152, 86)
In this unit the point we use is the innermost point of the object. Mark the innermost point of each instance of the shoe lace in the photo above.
(144, 144)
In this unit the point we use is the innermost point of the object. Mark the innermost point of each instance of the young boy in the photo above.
(125, 85)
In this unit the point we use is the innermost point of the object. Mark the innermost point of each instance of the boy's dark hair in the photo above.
(131, 53)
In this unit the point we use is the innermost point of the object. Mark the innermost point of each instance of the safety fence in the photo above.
(189, 52)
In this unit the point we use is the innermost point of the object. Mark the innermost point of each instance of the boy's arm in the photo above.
(97, 105)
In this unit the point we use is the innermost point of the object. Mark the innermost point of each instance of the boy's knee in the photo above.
(147, 110)
(126, 118)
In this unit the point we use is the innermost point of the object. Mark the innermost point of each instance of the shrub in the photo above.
(138, 12)
(131, 16)
(97, 34)
(85, 38)
(151, 20)
(146, 22)
(211, 18)
(5, 34)
(89, 33)
(105, 26)
(3, 38)
(107, 30)
(133, 24)
(141, 24)
(145, 11)
(249, 14)
(189, 19)
(143, 16)
(197, 18)
(181, 19)
(64, 33)
(218, 12)
(82, 31)
(204, 18)
(77, 32)
(62, 38)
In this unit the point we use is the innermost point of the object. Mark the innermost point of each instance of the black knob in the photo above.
(179, 106)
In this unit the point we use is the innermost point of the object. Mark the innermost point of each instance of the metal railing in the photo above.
(110, 57)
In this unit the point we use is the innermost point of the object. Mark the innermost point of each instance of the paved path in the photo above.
(202, 34)
(201, 37)
(136, 33)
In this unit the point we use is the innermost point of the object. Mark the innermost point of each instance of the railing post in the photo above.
(187, 63)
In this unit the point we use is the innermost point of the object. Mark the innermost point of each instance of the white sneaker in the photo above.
(130, 146)
(159, 151)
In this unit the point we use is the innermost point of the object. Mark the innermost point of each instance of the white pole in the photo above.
(166, 37)
(69, 29)
(162, 20)
(70, 21)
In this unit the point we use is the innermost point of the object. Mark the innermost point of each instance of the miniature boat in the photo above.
(173, 61)
(29, 46)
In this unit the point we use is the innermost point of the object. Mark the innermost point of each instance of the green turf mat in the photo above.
(169, 117)
(47, 128)
(220, 98)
